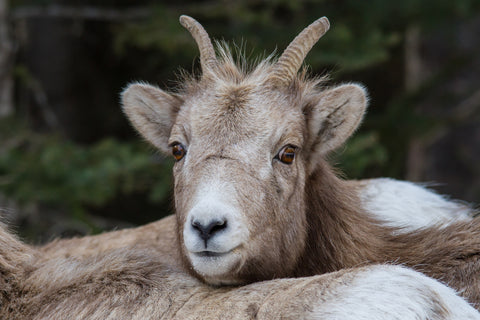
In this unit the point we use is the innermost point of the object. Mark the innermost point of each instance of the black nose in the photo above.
(208, 230)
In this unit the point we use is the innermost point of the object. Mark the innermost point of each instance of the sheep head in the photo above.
(245, 141)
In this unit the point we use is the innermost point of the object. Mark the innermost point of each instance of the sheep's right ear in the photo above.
(333, 118)
(152, 112)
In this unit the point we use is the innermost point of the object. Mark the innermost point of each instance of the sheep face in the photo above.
(236, 200)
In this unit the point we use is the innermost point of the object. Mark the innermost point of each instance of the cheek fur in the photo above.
(277, 222)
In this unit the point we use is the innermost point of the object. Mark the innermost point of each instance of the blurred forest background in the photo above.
(70, 164)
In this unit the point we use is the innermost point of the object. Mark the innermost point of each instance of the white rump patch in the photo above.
(393, 292)
(409, 206)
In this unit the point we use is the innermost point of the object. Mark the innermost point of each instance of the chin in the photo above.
(217, 269)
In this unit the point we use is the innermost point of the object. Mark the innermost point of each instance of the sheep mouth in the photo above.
(216, 254)
(208, 254)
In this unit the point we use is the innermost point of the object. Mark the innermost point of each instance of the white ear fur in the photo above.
(151, 111)
(335, 117)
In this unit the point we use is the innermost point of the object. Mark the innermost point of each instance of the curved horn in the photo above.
(208, 58)
(292, 58)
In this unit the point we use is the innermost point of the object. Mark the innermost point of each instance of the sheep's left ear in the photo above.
(334, 117)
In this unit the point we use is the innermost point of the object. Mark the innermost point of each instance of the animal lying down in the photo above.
(137, 274)
(263, 226)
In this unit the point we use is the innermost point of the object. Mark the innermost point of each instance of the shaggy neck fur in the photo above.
(342, 235)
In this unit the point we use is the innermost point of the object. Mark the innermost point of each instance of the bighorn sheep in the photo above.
(254, 197)
(246, 212)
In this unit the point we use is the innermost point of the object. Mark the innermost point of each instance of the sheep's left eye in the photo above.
(287, 154)
(178, 151)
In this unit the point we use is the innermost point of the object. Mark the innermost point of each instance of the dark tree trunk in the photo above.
(6, 63)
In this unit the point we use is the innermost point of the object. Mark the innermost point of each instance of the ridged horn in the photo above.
(208, 59)
(292, 58)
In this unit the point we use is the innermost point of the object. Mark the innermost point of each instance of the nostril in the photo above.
(219, 225)
(208, 230)
(198, 226)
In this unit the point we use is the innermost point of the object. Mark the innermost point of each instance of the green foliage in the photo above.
(164, 34)
(50, 170)
(364, 32)
(363, 156)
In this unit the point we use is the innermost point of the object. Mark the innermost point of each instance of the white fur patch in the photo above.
(213, 204)
(410, 206)
(206, 211)
(393, 292)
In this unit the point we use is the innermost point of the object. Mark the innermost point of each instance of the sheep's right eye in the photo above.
(287, 154)
(178, 151)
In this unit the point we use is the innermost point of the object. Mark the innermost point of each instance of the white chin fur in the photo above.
(214, 268)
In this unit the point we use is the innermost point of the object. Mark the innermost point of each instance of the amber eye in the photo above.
(287, 154)
(178, 151)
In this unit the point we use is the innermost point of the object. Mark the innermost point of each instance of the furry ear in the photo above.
(334, 117)
(151, 111)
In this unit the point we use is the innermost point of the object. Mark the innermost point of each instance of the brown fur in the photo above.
(135, 274)
(14, 256)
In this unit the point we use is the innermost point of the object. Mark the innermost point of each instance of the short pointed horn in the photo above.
(292, 58)
(208, 59)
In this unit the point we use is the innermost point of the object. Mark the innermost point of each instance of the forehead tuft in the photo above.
(228, 111)
(236, 97)
(232, 72)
